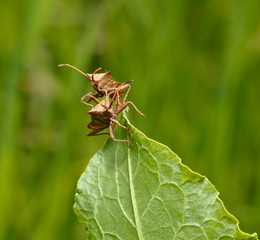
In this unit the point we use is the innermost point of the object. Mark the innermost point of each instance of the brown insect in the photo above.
(103, 83)
(103, 116)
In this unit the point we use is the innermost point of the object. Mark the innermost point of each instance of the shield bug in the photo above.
(103, 84)
(103, 116)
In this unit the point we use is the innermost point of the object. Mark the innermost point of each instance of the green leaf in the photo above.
(146, 192)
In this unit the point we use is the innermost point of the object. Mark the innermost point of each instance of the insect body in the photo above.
(103, 116)
(103, 84)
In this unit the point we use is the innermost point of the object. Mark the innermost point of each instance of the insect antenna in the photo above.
(92, 77)
(97, 101)
(68, 65)
(129, 81)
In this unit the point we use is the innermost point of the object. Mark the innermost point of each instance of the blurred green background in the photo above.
(196, 66)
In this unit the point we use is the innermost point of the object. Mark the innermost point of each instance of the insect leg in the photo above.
(87, 96)
(96, 132)
(120, 125)
(116, 93)
(125, 105)
(124, 87)
(112, 134)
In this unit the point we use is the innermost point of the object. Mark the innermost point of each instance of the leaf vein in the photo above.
(117, 187)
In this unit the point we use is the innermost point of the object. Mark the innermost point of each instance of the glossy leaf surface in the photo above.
(146, 192)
